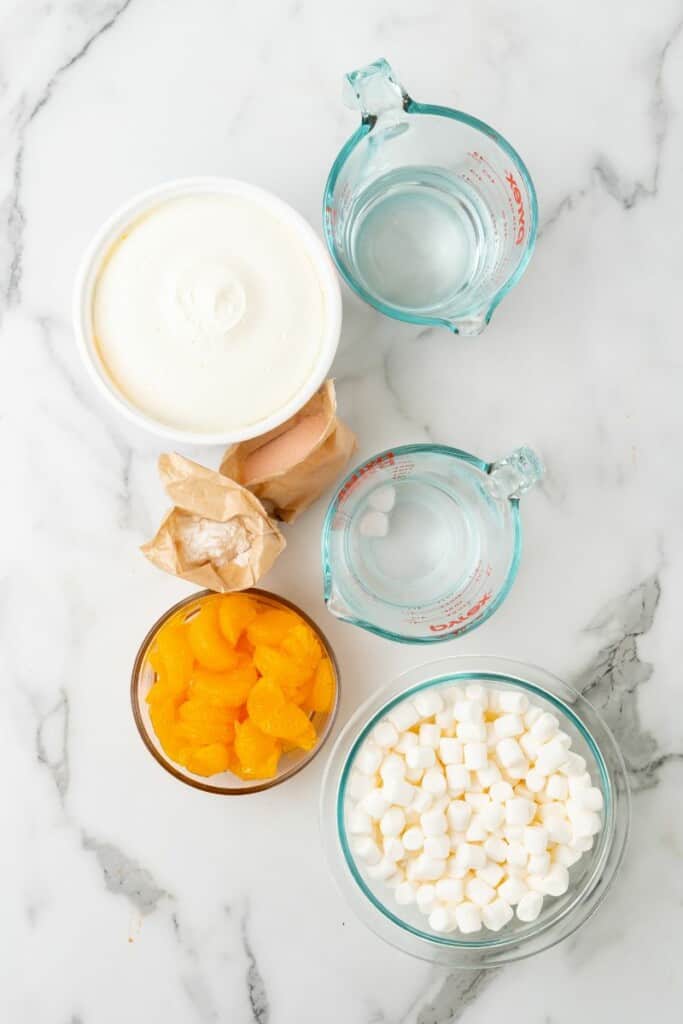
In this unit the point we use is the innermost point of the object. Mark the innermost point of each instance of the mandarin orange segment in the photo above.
(278, 667)
(208, 644)
(224, 689)
(271, 627)
(322, 692)
(302, 645)
(208, 760)
(201, 723)
(235, 613)
(258, 754)
(171, 657)
(276, 716)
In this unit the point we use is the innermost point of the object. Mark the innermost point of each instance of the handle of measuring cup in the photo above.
(516, 473)
(374, 90)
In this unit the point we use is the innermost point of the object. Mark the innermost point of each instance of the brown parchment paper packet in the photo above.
(217, 535)
(291, 466)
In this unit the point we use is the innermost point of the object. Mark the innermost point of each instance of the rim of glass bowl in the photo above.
(258, 785)
(502, 948)
(413, 107)
(432, 638)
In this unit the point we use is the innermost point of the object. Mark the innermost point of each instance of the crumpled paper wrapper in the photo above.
(291, 466)
(217, 535)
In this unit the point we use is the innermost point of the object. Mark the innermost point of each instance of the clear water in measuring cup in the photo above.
(431, 549)
(419, 238)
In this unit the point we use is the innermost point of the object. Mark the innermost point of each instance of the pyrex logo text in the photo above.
(517, 196)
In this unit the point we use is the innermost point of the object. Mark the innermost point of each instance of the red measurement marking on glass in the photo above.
(469, 614)
(380, 462)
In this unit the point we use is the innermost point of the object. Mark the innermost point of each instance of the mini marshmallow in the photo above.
(458, 779)
(404, 716)
(369, 759)
(529, 907)
(532, 715)
(521, 790)
(559, 830)
(519, 811)
(392, 767)
(530, 745)
(477, 801)
(413, 838)
(491, 735)
(489, 775)
(406, 741)
(513, 833)
(420, 757)
(422, 802)
(563, 855)
(360, 785)
(468, 711)
(476, 831)
(479, 892)
(433, 823)
(434, 781)
(556, 882)
(577, 782)
(539, 864)
(374, 524)
(545, 726)
(405, 893)
(501, 791)
(429, 869)
(478, 693)
(383, 870)
(492, 873)
(392, 822)
(516, 855)
(471, 732)
(516, 772)
(468, 917)
(437, 847)
(551, 756)
(496, 915)
(492, 816)
(535, 781)
(450, 890)
(475, 755)
(429, 703)
(398, 791)
(512, 702)
(414, 775)
(585, 824)
(393, 848)
(496, 848)
(385, 735)
(441, 803)
(367, 850)
(552, 809)
(470, 856)
(509, 752)
(430, 735)
(574, 764)
(508, 725)
(425, 897)
(383, 498)
(450, 750)
(442, 919)
(581, 843)
(456, 839)
(535, 839)
(512, 890)
(454, 870)
(360, 822)
(590, 799)
(557, 787)
(375, 804)
(459, 814)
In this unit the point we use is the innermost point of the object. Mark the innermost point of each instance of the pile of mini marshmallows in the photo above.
(468, 802)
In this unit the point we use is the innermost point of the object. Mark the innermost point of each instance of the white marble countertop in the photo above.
(129, 897)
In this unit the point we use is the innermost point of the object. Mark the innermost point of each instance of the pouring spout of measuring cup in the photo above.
(511, 477)
(375, 90)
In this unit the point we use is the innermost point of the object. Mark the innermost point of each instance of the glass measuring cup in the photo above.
(430, 215)
(421, 543)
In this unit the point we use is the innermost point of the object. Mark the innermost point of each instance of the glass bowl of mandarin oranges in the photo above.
(234, 693)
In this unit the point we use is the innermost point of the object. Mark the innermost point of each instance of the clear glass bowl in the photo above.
(590, 878)
(225, 783)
